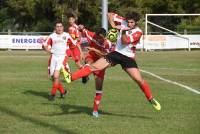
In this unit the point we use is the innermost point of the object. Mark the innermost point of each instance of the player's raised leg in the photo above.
(88, 69)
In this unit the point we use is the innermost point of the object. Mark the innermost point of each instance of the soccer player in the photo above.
(124, 55)
(75, 52)
(99, 46)
(58, 42)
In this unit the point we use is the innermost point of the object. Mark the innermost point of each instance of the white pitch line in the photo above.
(169, 81)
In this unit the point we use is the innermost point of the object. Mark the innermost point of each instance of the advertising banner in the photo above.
(151, 42)
(21, 41)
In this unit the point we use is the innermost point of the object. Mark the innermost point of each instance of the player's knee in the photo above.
(139, 81)
(55, 77)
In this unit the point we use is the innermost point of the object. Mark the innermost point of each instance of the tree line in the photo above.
(40, 15)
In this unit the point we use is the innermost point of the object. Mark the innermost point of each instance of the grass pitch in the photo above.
(24, 107)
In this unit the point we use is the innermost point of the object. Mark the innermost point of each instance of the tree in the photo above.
(39, 15)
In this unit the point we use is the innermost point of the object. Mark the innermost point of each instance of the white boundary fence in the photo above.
(153, 42)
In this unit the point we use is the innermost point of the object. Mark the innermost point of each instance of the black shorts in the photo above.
(117, 58)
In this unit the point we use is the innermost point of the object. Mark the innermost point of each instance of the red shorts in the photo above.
(74, 53)
(92, 58)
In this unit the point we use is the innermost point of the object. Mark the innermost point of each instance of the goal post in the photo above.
(164, 28)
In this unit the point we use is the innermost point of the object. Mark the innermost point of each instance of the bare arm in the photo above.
(124, 38)
(111, 20)
(98, 52)
(81, 52)
(46, 48)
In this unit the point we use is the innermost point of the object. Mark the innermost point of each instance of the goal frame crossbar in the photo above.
(176, 34)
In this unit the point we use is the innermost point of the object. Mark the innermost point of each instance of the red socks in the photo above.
(57, 86)
(84, 71)
(61, 89)
(54, 88)
(97, 101)
(146, 89)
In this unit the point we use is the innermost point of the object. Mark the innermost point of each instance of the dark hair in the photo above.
(101, 31)
(71, 15)
(132, 15)
(58, 21)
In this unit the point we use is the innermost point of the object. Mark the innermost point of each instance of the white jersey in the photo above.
(58, 43)
(133, 37)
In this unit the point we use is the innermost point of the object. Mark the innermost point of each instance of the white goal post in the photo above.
(161, 27)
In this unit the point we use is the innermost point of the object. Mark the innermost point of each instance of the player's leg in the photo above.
(100, 64)
(88, 69)
(60, 66)
(65, 68)
(53, 74)
(134, 73)
(63, 92)
(55, 85)
(76, 56)
(89, 59)
(99, 78)
(49, 63)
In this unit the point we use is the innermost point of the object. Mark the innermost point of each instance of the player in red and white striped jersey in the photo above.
(74, 51)
(128, 38)
(56, 45)
(99, 46)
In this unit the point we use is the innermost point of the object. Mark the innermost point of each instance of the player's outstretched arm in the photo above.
(98, 52)
(111, 20)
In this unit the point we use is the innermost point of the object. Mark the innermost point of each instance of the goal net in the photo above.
(170, 31)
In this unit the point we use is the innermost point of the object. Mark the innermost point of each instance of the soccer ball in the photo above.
(112, 35)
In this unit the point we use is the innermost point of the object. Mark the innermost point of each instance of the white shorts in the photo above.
(56, 63)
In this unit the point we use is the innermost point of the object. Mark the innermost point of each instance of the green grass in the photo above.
(24, 88)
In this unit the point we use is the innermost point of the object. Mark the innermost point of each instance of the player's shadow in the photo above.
(37, 93)
(77, 109)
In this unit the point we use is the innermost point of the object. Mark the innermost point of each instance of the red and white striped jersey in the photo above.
(75, 34)
(58, 43)
(73, 31)
(105, 46)
(129, 49)
(119, 20)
